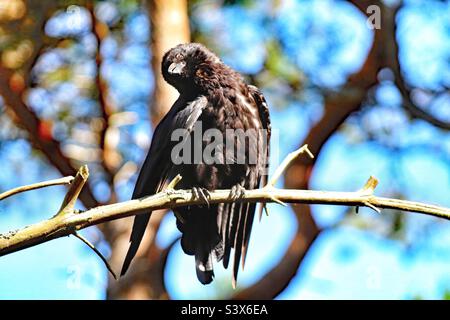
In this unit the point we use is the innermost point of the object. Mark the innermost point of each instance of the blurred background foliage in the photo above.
(80, 84)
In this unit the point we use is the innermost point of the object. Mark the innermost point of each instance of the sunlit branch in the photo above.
(67, 220)
(55, 182)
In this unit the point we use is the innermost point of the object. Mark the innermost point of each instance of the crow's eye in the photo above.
(179, 56)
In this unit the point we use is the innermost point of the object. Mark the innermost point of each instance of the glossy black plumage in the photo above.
(215, 96)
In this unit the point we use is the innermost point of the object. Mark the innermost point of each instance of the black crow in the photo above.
(214, 99)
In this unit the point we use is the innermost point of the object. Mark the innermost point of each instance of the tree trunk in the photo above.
(169, 27)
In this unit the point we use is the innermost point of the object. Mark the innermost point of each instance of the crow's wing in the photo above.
(263, 160)
(237, 218)
(158, 163)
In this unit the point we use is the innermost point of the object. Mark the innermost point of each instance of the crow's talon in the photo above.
(195, 194)
(237, 192)
(201, 193)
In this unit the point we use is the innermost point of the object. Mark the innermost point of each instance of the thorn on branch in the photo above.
(371, 206)
(308, 152)
(266, 211)
(274, 199)
(368, 190)
(90, 245)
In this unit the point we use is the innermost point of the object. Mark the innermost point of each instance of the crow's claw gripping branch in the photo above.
(201, 193)
(237, 192)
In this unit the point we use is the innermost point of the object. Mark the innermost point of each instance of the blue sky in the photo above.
(354, 260)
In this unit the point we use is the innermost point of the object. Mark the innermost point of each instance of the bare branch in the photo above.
(66, 224)
(55, 182)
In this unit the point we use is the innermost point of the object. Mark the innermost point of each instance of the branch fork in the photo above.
(67, 206)
(280, 170)
(170, 191)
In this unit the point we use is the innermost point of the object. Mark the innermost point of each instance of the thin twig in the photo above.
(55, 182)
(90, 245)
(286, 162)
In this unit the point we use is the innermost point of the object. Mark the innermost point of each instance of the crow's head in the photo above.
(185, 63)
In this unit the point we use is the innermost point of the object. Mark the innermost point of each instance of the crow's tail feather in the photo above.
(139, 226)
(204, 265)
(200, 238)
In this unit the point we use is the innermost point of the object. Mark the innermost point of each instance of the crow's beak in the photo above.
(176, 67)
